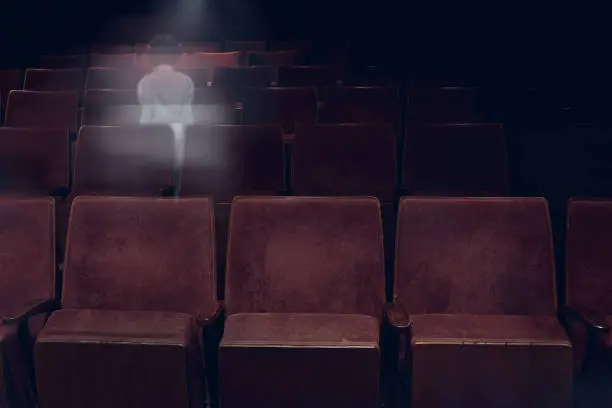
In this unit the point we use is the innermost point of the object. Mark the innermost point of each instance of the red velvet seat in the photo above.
(445, 105)
(34, 161)
(26, 284)
(189, 47)
(238, 78)
(116, 61)
(476, 278)
(304, 296)
(107, 78)
(110, 107)
(62, 61)
(38, 109)
(200, 60)
(124, 160)
(308, 76)
(272, 58)
(201, 77)
(362, 105)
(9, 79)
(589, 282)
(215, 106)
(284, 106)
(53, 80)
(127, 335)
(457, 160)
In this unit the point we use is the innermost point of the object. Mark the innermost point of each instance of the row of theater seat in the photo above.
(473, 321)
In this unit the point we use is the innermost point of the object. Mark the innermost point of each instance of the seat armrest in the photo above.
(589, 318)
(397, 317)
(206, 321)
(23, 312)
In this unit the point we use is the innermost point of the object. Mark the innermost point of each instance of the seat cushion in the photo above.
(300, 330)
(299, 361)
(488, 329)
(118, 358)
(490, 360)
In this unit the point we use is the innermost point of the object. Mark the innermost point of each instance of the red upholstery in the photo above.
(123, 160)
(477, 277)
(62, 61)
(112, 48)
(307, 76)
(105, 107)
(126, 336)
(461, 160)
(201, 77)
(53, 80)
(240, 77)
(34, 109)
(117, 61)
(33, 161)
(272, 59)
(107, 78)
(214, 106)
(27, 279)
(305, 297)
(245, 46)
(201, 47)
(201, 60)
(362, 105)
(284, 106)
(225, 161)
(445, 105)
(349, 159)
(9, 79)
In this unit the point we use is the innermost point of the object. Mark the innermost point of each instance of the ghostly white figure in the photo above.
(166, 95)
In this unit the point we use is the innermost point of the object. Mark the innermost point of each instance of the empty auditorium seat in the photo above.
(589, 281)
(476, 279)
(110, 107)
(124, 160)
(9, 79)
(34, 161)
(457, 160)
(26, 289)
(372, 76)
(117, 61)
(42, 109)
(53, 80)
(284, 106)
(62, 61)
(226, 161)
(201, 47)
(361, 105)
(245, 46)
(346, 159)
(112, 49)
(107, 78)
(445, 105)
(272, 59)
(215, 106)
(201, 60)
(239, 78)
(308, 76)
(290, 339)
(130, 330)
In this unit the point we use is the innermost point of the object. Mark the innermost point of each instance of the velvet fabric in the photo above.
(284, 106)
(305, 255)
(110, 107)
(104, 358)
(62, 61)
(346, 159)
(9, 79)
(308, 76)
(200, 60)
(201, 77)
(457, 160)
(107, 78)
(210, 46)
(53, 79)
(225, 161)
(445, 105)
(241, 77)
(129, 160)
(475, 256)
(33, 161)
(27, 253)
(38, 109)
(150, 254)
(272, 58)
(116, 61)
